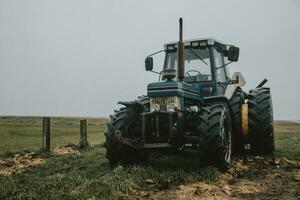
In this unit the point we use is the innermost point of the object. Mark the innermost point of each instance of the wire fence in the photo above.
(19, 134)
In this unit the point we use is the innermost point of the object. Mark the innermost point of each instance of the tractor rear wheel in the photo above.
(126, 120)
(236, 102)
(261, 122)
(215, 136)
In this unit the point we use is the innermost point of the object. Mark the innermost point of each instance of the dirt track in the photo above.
(249, 178)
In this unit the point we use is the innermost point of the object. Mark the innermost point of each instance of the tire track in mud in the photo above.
(249, 178)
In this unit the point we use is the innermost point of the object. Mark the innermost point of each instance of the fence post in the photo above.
(83, 134)
(46, 134)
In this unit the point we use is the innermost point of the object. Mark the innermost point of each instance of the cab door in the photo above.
(221, 72)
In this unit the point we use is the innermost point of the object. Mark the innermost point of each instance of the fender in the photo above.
(138, 103)
(218, 100)
(232, 87)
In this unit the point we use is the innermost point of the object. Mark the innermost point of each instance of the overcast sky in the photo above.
(79, 58)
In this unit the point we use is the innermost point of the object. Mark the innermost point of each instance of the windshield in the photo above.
(196, 62)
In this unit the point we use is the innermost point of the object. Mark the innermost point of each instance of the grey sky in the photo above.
(71, 57)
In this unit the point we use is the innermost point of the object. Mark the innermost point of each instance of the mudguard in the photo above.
(140, 102)
(232, 87)
(218, 100)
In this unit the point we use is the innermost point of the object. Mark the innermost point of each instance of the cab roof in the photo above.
(201, 42)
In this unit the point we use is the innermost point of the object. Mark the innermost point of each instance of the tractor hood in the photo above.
(172, 88)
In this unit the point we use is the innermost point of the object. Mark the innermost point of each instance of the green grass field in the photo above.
(88, 175)
(287, 140)
(25, 133)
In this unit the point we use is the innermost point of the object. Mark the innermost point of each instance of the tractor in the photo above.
(194, 105)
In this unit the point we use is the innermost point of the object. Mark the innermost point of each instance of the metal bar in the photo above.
(262, 83)
(245, 122)
(180, 53)
(157, 124)
(137, 144)
(151, 113)
(143, 127)
(170, 127)
(180, 30)
(213, 70)
(131, 142)
(156, 145)
(156, 53)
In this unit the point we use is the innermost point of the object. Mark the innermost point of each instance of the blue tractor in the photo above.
(195, 104)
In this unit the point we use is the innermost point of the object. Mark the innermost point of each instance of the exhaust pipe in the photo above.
(262, 83)
(180, 53)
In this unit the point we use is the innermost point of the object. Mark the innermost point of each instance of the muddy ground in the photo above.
(249, 178)
(18, 163)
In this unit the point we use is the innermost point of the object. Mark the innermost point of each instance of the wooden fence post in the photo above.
(46, 134)
(83, 134)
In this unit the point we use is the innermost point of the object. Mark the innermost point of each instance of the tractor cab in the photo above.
(204, 71)
(205, 64)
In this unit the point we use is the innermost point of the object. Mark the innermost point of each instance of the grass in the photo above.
(287, 140)
(297, 193)
(88, 174)
(25, 133)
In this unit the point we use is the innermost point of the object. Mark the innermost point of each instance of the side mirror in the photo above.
(233, 53)
(149, 64)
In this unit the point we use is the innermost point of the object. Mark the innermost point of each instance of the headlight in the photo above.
(165, 104)
(154, 107)
(171, 107)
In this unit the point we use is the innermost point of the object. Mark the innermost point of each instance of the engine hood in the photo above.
(172, 88)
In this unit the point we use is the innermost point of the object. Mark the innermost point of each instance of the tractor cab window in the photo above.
(221, 76)
(221, 72)
(196, 62)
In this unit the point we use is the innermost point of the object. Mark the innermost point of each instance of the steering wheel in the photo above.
(189, 75)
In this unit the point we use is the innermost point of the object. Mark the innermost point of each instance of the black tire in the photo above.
(236, 102)
(261, 121)
(127, 121)
(215, 136)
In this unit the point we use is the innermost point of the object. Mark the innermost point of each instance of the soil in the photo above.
(18, 163)
(21, 162)
(249, 178)
(65, 150)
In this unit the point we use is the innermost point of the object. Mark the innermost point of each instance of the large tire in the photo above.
(236, 102)
(215, 136)
(127, 121)
(261, 121)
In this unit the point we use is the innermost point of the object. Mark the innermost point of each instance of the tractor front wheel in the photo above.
(125, 121)
(215, 136)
